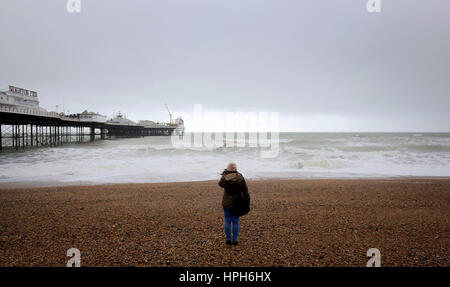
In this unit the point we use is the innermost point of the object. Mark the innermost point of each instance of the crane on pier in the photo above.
(170, 114)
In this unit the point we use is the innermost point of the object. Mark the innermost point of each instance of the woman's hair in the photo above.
(231, 166)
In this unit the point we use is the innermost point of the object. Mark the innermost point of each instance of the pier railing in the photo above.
(35, 112)
(30, 111)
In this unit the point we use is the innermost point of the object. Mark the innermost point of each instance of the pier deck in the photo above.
(21, 128)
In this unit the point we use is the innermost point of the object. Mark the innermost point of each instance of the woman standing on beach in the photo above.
(235, 201)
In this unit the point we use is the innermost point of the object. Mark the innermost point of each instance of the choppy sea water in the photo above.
(301, 155)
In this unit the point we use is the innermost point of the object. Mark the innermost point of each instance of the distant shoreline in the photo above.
(44, 184)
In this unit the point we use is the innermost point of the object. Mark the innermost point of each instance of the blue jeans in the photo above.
(230, 217)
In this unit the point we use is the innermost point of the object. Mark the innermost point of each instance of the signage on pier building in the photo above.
(21, 91)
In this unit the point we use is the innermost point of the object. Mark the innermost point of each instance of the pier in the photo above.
(23, 127)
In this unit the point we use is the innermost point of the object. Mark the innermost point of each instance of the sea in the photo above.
(298, 156)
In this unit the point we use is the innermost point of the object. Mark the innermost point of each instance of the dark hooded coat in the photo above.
(235, 198)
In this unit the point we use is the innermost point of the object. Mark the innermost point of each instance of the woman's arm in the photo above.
(222, 182)
(245, 191)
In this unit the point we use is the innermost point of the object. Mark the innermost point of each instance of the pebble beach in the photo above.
(320, 222)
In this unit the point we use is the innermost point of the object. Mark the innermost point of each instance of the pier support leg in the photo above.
(102, 134)
(13, 139)
(23, 136)
(16, 135)
(92, 134)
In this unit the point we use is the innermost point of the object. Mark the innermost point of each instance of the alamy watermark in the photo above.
(232, 129)
(375, 257)
(75, 259)
(73, 6)
(373, 6)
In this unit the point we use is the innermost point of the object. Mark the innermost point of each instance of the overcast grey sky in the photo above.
(324, 65)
